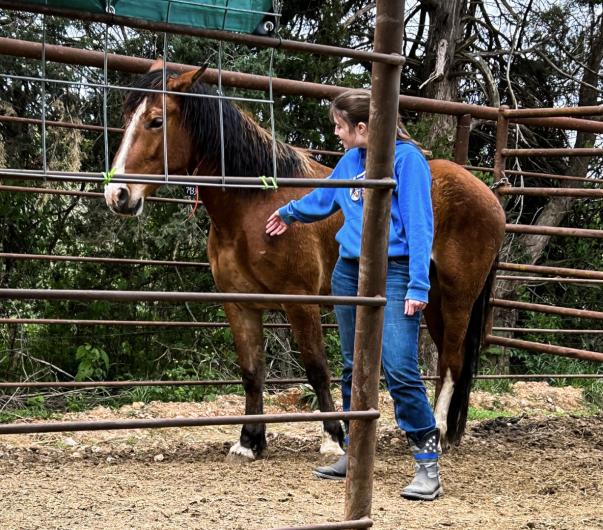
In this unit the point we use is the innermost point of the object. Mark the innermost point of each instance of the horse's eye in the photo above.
(155, 123)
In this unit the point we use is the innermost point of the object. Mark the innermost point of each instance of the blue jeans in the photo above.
(399, 350)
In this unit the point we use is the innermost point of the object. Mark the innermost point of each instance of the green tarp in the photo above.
(230, 15)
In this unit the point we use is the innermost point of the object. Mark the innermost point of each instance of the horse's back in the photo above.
(469, 225)
(454, 189)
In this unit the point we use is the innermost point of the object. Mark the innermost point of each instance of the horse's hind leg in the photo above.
(435, 325)
(246, 326)
(305, 322)
(455, 319)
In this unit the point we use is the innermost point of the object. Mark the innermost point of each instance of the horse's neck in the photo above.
(250, 150)
(225, 208)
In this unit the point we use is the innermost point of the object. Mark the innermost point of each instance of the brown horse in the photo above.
(469, 228)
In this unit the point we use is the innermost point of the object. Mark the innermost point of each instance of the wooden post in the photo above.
(461, 144)
(373, 261)
(502, 137)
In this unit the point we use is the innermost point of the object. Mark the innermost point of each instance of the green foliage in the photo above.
(34, 407)
(481, 414)
(420, 131)
(333, 351)
(308, 398)
(80, 401)
(93, 363)
(108, 176)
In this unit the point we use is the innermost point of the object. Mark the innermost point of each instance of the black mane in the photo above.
(247, 147)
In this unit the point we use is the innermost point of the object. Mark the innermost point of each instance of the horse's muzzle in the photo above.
(118, 199)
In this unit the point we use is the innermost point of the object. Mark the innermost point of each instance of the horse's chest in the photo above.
(230, 267)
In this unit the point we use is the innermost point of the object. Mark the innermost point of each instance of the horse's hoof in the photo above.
(329, 446)
(239, 454)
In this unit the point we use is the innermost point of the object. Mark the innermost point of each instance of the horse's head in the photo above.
(141, 148)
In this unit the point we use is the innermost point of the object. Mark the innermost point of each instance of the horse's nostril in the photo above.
(122, 197)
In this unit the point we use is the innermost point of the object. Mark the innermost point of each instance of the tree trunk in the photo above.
(532, 246)
(445, 31)
(557, 208)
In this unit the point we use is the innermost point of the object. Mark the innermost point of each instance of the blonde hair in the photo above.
(353, 107)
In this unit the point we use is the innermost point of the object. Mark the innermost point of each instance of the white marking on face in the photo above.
(126, 143)
(111, 190)
(330, 446)
(443, 404)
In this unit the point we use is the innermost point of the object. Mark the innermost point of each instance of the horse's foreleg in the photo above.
(246, 326)
(305, 322)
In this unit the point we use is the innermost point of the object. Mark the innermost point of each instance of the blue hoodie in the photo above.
(411, 225)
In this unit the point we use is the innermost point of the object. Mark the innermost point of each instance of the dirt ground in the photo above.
(530, 471)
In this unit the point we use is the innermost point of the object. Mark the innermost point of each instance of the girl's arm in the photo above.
(414, 201)
(314, 206)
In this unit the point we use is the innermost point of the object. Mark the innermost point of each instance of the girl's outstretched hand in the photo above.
(275, 226)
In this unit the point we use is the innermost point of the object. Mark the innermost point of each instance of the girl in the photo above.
(407, 284)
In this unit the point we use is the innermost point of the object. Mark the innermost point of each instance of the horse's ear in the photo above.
(157, 65)
(185, 81)
(199, 74)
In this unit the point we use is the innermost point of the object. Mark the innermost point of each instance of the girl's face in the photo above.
(356, 136)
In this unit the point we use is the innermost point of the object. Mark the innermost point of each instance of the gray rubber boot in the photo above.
(336, 471)
(427, 484)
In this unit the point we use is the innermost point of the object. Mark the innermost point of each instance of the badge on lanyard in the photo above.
(356, 194)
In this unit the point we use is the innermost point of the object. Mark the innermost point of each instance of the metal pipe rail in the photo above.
(565, 192)
(64, 54)
(100, 128)
(558, 271)
(543, 308)
(267, 325)
(561, 151)
(269, 382)
(385, 87)
(62, 124)
(86, 194)
(572, 331)
(91, 259)
(552, 176)
(363, 522)
(553, 231)
(157, 423)
(552, 192)
(220, 35)
(140, 323)
(536, 174)
(540, 279)
(551, 349)
(155, 296)
(595, 110)
(205, 180)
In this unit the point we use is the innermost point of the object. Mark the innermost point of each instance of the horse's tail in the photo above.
(459, 403)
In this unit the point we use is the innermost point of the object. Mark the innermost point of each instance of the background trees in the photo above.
(522, 54)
